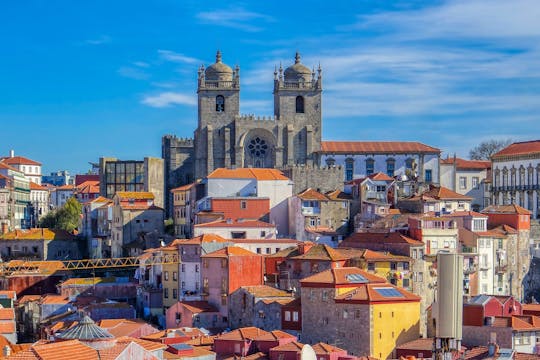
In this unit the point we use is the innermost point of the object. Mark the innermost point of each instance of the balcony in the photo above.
(499, 269)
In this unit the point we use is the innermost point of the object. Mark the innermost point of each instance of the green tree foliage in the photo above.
(485, 149)
(65, 218)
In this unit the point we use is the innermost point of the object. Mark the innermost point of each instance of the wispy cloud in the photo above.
(103, 39)
(236, 18)
(169, 98)
(177, 57)
(133, 73)
(141, 64)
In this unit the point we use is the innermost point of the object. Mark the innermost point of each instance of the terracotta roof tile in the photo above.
(338, 195)
(245, 333)
(372, 293)
(442, 193)
(359, 240)
(183, 187)
(7, 314)
(376, 147)
(54, 299)
(380, 177)
(351, 276)
(6, 166)
(37, 234)
(19, 160)
(519, 148)
(248, 173)
(417, 344)
(64, 350)
(261, 291)
(229, 251)
(311, 194)
(291, 346)
(322, 252)
(275, 335)
(324, 349)
(463, 164)
(7, 327)
(147, 345)
(236, 223)
(37, 187)
(197, 307)
(506, 209)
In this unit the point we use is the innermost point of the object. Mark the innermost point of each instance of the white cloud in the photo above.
(141, 64)
(103, 39)
(169, 98)
(133, 73)
(177, 57)
(237, 18)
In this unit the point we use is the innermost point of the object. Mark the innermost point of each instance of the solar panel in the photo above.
(181, 346)
(356, 278)
(388, 292)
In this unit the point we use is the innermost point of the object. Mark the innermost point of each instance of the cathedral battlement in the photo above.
(179, 141)
(251, 118)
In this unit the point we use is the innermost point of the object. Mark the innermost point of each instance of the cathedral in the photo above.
(224, 138)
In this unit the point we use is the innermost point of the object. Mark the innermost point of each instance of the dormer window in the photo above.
(220, 103)
(299, 105)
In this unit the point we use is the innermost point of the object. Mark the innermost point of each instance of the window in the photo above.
(349, 169)
(166, 275)
(166, 293)
(484, 275)
(324, 296)
(183, 267)
(427, 176)
(220, 103)
(420, 277)
(330, 161)
(295, 316)
(174, 293)
(243, 204)
(263, 233)
(196, 267)
(405, 266)
(406, 283)
(462, 183)
(371, 266)
(268, 251)
(259, 250)
(345, 314)
(476, 182)
(174, 276)
(414, 254)
(393, 266)
(183, 284)
(370, 166)
(287, 316)
(390, 166)
(299, 105)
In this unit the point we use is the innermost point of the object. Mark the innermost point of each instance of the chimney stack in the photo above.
(11, 153)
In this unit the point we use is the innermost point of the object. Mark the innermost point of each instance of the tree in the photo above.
(66, 218)
(485, 149)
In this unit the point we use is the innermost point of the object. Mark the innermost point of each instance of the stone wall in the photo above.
(178, 155)
(323, 179)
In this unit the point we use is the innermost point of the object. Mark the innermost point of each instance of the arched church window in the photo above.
(370, 166)
(299, 105)
(220, 103)
(390, 166)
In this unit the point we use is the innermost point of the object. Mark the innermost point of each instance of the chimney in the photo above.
(11, 153)
(6, 351)
(304, 247)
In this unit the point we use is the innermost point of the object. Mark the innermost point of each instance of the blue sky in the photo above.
(80, 80)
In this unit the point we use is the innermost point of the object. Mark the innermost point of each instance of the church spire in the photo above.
(297, 58)
(218, 56)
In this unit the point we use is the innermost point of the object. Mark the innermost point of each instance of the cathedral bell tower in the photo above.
(298, 105)
(218, 103)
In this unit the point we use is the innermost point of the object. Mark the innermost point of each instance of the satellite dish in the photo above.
(308, 353)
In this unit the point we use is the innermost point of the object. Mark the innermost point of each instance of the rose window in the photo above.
(258, 147)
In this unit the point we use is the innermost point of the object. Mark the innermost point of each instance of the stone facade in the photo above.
(323, 179)
(178, 156)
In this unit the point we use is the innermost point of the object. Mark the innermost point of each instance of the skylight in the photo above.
(388, 292)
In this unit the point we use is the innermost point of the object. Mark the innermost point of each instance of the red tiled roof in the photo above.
(262, 291)
(246, 333)
(197, 307)
(442, 193)
(88, 187)
(34, 186)
(380, 177)
(19, 160)
(519, 148)
(237, 223)
(506, 209)
(54, 299)
(462, 164)
(291, 346)
(311, 194)
(376, 147)
(338, 195)
(69, 349)
(359, 240)
(275, 335)
(66, 187)
(7, 327)
(183, 187)
(466, 213)
(229, 251)
(247, 173)
(7, 314)
(37, 234)
(321, 252)
(370, 293)
(341, 276)
(6, 166)
(417, 344)
(324, 349)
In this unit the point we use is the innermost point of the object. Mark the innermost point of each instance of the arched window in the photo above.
(330, 161)
(220, 103)
(299, 105)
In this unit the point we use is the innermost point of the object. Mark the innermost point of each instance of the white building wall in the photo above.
(521, 190)
(231, 187)
(486, 265)
(225, 232)
(430, 162)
